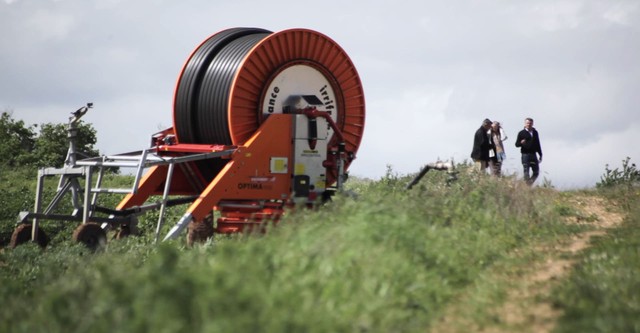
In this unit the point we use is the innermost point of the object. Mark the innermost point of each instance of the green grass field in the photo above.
(386, 260)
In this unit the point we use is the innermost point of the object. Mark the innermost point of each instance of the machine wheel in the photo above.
(22, 234)
(91, 235)
(127, 230)
(200, 231)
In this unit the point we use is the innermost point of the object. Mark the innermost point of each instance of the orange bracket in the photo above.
(251, 174)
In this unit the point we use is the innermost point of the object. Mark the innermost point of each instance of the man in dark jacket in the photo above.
(529, 143)
(481, 146)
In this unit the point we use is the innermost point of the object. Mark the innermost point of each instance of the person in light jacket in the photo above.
(497, 137)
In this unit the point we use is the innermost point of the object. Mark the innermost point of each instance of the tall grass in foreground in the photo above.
(389, 260)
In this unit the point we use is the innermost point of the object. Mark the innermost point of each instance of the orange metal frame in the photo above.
(246, 191)
(245, 179)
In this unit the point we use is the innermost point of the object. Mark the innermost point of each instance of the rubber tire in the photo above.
(91, 235)
(126, 231)
(200, 231)
(22, 234)
(123, 232)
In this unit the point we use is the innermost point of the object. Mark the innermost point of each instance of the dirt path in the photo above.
(526, 307)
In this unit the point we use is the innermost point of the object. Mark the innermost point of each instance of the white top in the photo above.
(503, 135)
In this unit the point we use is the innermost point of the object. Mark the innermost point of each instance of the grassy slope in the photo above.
(390, 260)
(603, 292)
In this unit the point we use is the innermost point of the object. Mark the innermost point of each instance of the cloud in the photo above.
(50, 25)
(581, 165)
(431, 71)
(621, 13)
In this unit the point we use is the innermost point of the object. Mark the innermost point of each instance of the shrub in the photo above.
(629, 175)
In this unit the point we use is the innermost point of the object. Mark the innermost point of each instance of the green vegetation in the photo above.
(629, 176)
(382, 260)
(24, 147)
(603, 292)
(24, 150)
(387, 260)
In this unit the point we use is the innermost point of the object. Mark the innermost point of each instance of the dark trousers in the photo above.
(530, 161)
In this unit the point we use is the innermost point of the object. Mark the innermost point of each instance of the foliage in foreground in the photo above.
(390, 260)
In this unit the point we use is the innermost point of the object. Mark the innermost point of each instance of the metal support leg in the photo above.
(62, 190)
(175, 231)
(94, 198)
(86, 210)
(38, 205)
(136, 181)
(75, 193)
(165, 194)
(340, 180)
(341, 163)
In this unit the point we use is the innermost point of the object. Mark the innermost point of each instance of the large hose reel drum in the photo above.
(236, 78)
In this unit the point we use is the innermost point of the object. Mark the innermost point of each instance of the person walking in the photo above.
(482, 146)
(497, 137)
(529, 142)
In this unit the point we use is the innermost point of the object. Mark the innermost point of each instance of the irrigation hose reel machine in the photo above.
(261, 121)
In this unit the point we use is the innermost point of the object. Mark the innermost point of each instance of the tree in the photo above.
(17, 141)
(52, 145)
(22, 147)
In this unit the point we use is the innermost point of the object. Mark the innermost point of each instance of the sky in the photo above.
(431, 72)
